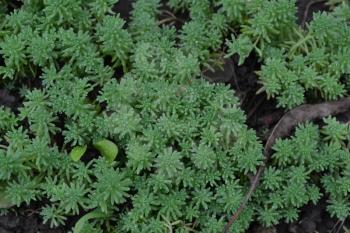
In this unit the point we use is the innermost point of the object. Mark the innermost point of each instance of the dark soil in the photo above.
(314, 219)
(123, 8)
(7, 99)
(26, 223)
(306, 8)
(261, 113)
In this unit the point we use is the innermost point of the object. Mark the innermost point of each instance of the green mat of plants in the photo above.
(116, 126)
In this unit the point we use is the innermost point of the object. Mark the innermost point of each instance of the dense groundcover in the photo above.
(150, 121)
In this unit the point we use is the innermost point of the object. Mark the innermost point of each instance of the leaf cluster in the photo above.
(299, 64)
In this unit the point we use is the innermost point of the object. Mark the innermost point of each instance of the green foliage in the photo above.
(241, 46)
(12, 50)
(310, 160)
(84, 226)
(234, 10)
(116, 42)
(304, 62)
(53, 215)
(176, 153)
(41, 48)
(8, 119)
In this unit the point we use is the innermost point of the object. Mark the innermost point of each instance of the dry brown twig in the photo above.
(171, 18)
(303, 113)
(307, 10)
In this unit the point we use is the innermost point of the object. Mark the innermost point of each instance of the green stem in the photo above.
(298, 44)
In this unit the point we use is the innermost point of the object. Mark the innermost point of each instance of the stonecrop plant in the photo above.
(297, 62)
(159, 148)
(311, 164)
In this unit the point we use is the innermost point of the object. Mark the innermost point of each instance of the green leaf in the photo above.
(241, 46)
(83, 220)
(77, 152)
(107, 148)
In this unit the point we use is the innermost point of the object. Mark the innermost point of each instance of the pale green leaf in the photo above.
(107, 149)
(77, 152)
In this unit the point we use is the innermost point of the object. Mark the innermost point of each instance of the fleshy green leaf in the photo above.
(77, 152)
(107, 148)
(83, 220)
